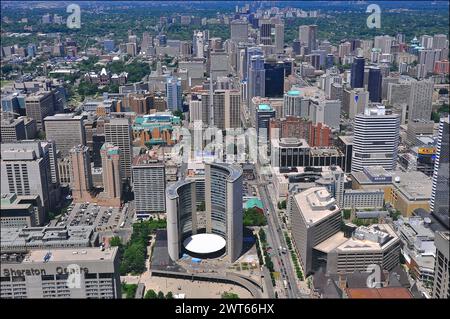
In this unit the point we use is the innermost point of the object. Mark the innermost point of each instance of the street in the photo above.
(276, 235)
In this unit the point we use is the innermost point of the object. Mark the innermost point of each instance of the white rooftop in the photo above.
(204, 243)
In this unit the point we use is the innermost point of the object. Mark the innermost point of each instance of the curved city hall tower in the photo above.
(223, 202)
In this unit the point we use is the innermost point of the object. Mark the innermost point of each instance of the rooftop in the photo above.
(379, 293)
(289, 142)
(65, 255)
(413, 185)
(254, 202)
(316, 204)
(372, 238)
(264, 107)
(347, 139)
(204, 243)
(293, 92)
(45, 236)
(147, 160)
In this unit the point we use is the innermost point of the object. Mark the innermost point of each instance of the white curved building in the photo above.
(224, 216)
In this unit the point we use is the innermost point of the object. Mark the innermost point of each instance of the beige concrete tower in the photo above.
(81, 179)
(112, 184)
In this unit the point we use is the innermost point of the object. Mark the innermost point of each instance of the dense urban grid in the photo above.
(166, 150)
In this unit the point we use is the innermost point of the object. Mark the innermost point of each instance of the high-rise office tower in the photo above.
(376, 139)
(275, 72)
(440, 41)
(441, 285)
(312, 37)
(227, 109)
(354, 101)
(149, 185)
(344, 49)
(294, 104)
(427, 58)
(174, 94)
(265, 32)
(147, 42)
(12, 130)
(256, 77)
(307, 37)
(357, 73)
(296, 46)
(439, 203)
(131, 48)
(25, 170)
(263, 115)
(195, 111)
(50, 147)
(374, 84)
(118, 132)
(206, 108)
(219, 64)
(198, 44)
(252, 51)
(38, 106)
(420, 100)
(384, 43)
(426, 41)
(239, 31)
(66, 130)
(279, 38)
(81, 180)
(112, 182)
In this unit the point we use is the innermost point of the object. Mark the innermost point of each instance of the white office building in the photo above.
(376, 138)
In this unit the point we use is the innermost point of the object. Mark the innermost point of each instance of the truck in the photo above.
(285, 284)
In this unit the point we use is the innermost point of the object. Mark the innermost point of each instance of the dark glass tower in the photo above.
(374, 84)
(357, 75)
(274, 80)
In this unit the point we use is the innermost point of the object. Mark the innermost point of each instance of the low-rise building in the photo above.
(62, 273)
(374, 245)
(22, 239)
(20, 211)
(405, 191)
(363, 199)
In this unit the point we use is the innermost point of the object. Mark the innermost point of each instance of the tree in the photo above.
(253, 217)
(160, 295)
(179, 114)
(262, 235)
(169, 295)
(229, 295)
(115, 241)
(129, 290)
(150, 294)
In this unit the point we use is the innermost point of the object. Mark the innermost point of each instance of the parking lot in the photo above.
(85, 214)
